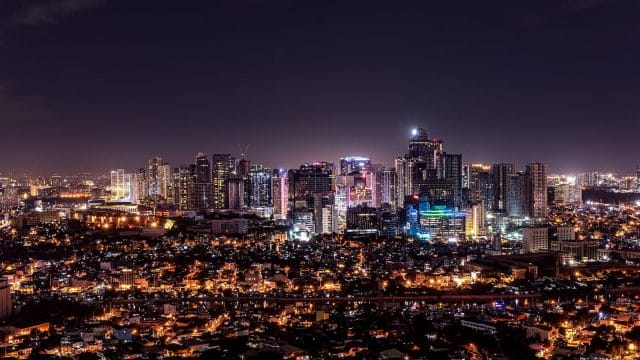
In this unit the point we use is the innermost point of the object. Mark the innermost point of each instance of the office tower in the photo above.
(388, 220)
(5, 298)
(388, 184)
(451, 165)
(362, 220)
(159, 180)
(303, 219)
(183, 187)
(466, 172)
(259, 186)
(536, 191)
(140, 186)
(349, 165)
(223, 167)
(280, 194)
(328, 220)
(202, 187)
(501, 174)
(427, 171)
(310, 179)
(480, 185)
(474, 220)
(515, 204)
(121, 189)
(320, 201)
(424, 148)
(236, 192)
(591, 179)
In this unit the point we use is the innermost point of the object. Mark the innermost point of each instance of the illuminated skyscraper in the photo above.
(121, 187)
(223, 167)
(259, 186)
(140, 186)
(451, 172)
(159, 180)
(388, 183)
(202, 185)
(310, 179)
(515, 203)
(280, 194)
(480, 185)
(183, 187)
(349, 165)
(536, 191)
(236, 193)
(501, 174)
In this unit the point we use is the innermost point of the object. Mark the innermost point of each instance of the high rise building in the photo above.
(451, 165)
(310, 179)
(403, 182)
(121, 187)
(224, 166)
(424, 148)
(474, 220)
(427, 171)
(349, 165)
(480, 185)
(140, 186)
(362, 221)
(259, 186)
(388, 184)
(280, 194)
(159, 181)
(516, 185)
(536, 191)
(501, 174)
(591, 179)
(202, 187)
(236, 193)
(183, 187)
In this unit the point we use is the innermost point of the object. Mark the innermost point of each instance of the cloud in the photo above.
(40, 12)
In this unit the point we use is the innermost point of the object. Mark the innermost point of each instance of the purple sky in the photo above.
(100, 84)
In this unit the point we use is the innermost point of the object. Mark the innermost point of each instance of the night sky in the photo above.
(100, 84)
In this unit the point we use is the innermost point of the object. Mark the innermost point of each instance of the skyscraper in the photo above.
(140, 186)
(280, 193)
(451, 165)
(159, 181)
(121, 187)
(352, 164)
(515, 204)
(536, 191)
(202, 185)
(310, 179)
(183, 187)
(388, 183)
(223, 167)
(501, 174)
(480, 185)
(259, 186)
(236, 193)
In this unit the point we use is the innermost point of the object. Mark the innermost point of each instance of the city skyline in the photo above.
(540, 81)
